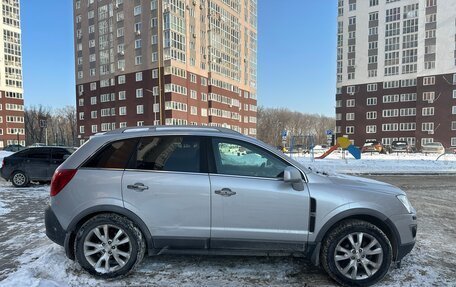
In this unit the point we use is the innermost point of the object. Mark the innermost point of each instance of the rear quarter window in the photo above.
(113, 155)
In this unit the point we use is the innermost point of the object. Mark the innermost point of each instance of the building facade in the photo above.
(12, 127)
(165, 62)
(396, 71)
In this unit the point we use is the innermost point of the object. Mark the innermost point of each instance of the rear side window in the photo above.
(39, 153)
(59, 153)
(170, 153)
(114, 155)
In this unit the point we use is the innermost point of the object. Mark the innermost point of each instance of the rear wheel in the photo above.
(109, 246)
(356, 253)
(20, 179)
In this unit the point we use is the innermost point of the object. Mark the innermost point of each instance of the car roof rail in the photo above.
(182, 128)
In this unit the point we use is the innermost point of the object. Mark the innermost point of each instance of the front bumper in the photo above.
(407, 227)
(54, 230)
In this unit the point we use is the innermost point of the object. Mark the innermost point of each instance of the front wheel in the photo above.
(356, 253)
(109, 246)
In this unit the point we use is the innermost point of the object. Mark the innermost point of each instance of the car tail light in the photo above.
(60, 179)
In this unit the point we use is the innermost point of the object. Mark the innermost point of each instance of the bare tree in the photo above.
(272, 121)
(60, 125)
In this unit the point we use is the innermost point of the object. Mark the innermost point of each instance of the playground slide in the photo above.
(329, 151)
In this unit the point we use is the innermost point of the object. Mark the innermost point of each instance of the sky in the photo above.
(296, 54)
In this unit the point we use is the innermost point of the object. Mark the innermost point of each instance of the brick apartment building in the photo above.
(165, 62)
(12, 127)
(396, 71)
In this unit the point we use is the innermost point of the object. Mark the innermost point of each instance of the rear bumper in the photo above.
(4, 173)
(54, 230)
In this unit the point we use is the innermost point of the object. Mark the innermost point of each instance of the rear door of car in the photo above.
(252, 207)
(58, 156)
(167, 186)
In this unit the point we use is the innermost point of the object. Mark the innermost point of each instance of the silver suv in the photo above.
(214, 191)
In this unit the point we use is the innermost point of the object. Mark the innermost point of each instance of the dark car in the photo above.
(401, 146)
(13, 147)
(33, 164)
(373, 146)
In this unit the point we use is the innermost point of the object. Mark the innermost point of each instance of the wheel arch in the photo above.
(372, 216)
(85, 215)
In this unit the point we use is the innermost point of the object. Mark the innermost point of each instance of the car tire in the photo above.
(20, 179)
(356, 253)
(111, 256)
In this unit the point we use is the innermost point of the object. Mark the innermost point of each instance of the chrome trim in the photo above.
(245, 176)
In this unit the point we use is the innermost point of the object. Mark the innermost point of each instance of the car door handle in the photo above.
(225, 192)
(137, 186)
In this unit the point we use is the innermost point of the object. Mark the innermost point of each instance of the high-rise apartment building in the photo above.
(165, 62)
(12, 127)
(396, 71)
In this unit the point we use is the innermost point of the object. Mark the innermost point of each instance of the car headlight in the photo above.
(404, 200)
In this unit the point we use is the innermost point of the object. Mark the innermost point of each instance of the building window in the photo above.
(137, 43)
(350, 116)
(81, 129)
(138, 60)
(390, 113)
(390, 98)
(139, 76)
(371, 101)
(350, 130)
(140, 109)
(94, 128)
(427, 127)
(408, 112)
(122, 95)
(371, 115)
(372, 129)
(139, 93)
(453, 141)
(350, 103)
(428, 81)
(429, 111)
(122, 111)
(372, 87)
(453, 110)
(373, 3)
(154, 73)
(121, 79)
(137, 10)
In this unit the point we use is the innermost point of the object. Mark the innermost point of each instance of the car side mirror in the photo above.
(293, 175)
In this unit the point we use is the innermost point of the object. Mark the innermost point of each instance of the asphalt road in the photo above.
(431, 263)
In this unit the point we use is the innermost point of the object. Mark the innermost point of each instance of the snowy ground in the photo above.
(396, 163)
(28, 258)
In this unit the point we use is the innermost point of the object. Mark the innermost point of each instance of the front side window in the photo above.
(240, 158)
(170, 153)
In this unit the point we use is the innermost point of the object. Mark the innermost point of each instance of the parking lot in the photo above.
(27, 257)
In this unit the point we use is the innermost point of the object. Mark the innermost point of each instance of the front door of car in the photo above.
(166, 186)
(252, 207)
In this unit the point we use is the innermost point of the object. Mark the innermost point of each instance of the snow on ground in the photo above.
(397, 163)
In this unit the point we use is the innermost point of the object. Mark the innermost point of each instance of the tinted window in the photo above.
(39, 153)
(241, 158)
(114, 155)
(171, 153)
(59, 153)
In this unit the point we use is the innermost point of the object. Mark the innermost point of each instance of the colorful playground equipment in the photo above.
(345, 144)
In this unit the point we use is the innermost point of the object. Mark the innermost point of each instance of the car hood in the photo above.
(355, 183)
